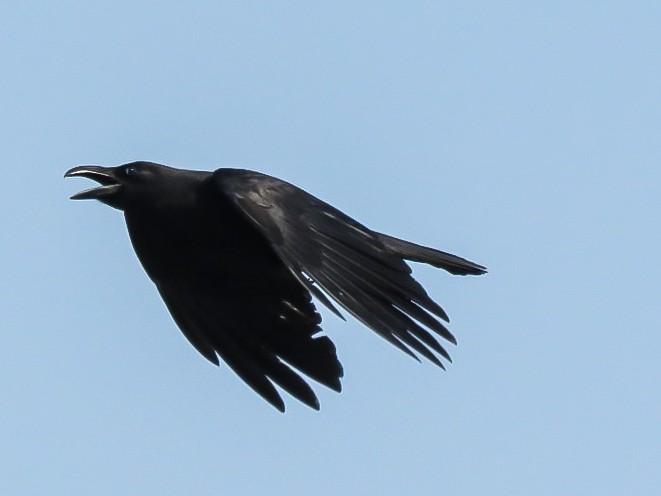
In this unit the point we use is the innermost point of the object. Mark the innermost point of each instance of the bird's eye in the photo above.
(131, 169)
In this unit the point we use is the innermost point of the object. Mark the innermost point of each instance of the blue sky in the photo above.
(522, 135)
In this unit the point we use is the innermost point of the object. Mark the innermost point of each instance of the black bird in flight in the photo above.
(237, 256)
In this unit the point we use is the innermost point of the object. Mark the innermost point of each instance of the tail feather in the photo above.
(417, 253)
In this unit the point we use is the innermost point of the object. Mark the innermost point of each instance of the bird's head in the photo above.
(135, 184)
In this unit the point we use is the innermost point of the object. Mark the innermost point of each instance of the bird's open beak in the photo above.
(103, 175)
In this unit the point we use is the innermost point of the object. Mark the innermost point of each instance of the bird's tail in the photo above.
(417, 253)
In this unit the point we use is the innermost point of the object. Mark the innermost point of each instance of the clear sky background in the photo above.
(523, 135)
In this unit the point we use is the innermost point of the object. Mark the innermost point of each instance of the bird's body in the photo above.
(194, 237)
(237, 255)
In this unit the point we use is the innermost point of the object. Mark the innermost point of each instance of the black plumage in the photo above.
(237, 256)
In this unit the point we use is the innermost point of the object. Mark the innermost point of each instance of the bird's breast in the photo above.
(198, 246)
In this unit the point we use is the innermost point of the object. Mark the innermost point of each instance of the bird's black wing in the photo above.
(266, 329)
(363, 271)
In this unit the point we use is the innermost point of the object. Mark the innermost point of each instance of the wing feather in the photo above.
(261, 347)
(364, 272)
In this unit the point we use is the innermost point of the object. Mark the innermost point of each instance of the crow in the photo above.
(238, 255)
